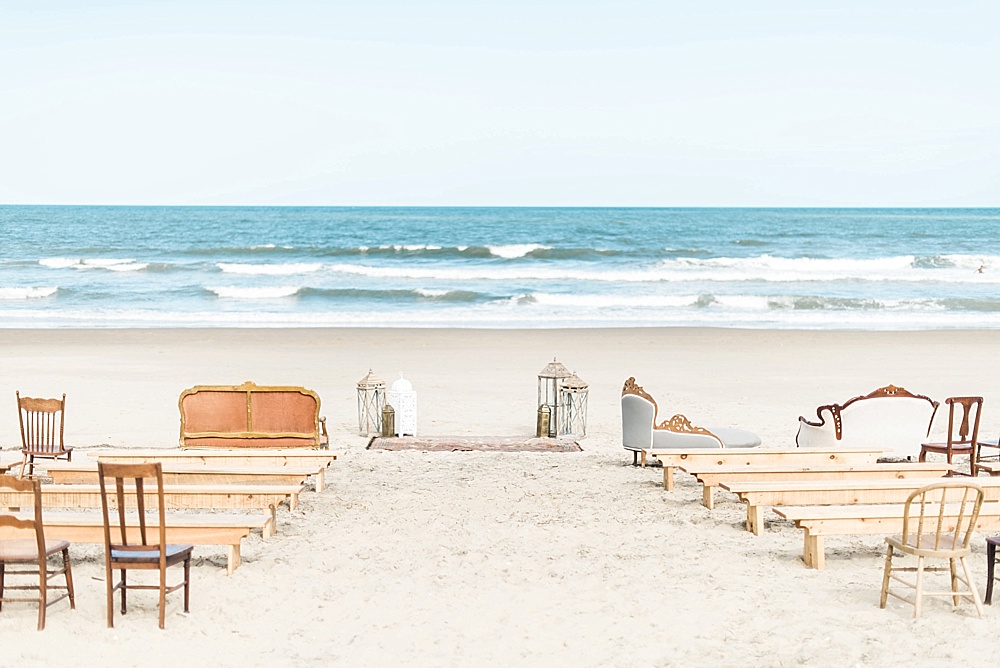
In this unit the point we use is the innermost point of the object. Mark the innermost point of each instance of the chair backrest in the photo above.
(132, 496)
(42, 422)
(638, 416)
(959, 431)
(942, 515)
(12, 524)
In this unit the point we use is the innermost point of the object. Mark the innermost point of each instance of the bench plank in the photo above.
(820, 521)
(200, 529)
(73, 473)
(758, 495)
(712, 477)
(759, 457)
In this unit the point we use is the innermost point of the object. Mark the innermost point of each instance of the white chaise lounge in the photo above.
(890, 418)
(640, 432)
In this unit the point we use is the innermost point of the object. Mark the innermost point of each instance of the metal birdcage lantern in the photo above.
(549, 380)
(403, 398)
(574, 392)
(371, 400)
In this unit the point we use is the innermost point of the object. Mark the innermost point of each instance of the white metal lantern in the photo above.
(574, 392)
(371, 399)
(549, 380)
(402, 397)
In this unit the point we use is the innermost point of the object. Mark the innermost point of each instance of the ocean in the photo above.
(125, 266)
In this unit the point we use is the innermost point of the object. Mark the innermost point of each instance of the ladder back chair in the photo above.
(129, 543)
(23, 545)
(42, 427)
(962, 438)
(938, 521)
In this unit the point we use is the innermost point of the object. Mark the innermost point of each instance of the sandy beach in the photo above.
(471, 558)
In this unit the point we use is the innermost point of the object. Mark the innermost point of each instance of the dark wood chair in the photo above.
(963, 434)
(42, 426)
(30, 555)
(991, 562)
(127, 542)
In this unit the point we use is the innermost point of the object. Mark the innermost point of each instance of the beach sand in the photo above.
(471, 558)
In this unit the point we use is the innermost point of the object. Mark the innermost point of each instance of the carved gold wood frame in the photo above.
(250, 388)
(679, 424)
(887, 392)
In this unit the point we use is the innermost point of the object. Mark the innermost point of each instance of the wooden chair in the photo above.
(31, 555)
(931, 530)
(42, 424)
(991, 562)
(128, 545)
(960, 441)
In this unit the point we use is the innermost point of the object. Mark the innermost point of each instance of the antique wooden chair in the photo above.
(929, 533)
(960, 440)
(30, 555)
(42, 425)
(991, 562)
(127, 542)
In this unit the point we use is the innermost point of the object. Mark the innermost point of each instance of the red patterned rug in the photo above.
(484, 443)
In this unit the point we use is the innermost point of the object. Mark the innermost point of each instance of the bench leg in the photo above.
(707, 498)
(293, 501)
(813, 551)
(668, 478)
(321, 480)
(233, 562)
(271, 527)
(755, 518)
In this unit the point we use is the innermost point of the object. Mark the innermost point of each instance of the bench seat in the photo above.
(227, 529)
(759, 457)
(759, 495)
(713, 476)
(73, 473)
(820, 521)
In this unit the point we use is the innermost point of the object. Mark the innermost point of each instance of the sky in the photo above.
(544, 103)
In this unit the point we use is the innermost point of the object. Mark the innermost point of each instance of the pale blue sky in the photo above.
(633, 103)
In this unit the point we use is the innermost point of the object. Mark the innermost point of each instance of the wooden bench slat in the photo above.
(180, 475)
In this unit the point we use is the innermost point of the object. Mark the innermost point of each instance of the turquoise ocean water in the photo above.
(91, 266)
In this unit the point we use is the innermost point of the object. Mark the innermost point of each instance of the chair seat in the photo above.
(20, 550)
(174, 552)
(957, 448)
(949, 546)
(736, 438)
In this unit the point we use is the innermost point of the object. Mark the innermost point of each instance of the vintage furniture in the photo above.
(30, 555)
(42, 425)
(641, 433)
(938, 521)
(988, 456)
(890, 418)
(124, 552)
(960, 441)
(991, 561)
(251, 416)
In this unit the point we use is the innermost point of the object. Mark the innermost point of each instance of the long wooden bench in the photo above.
(712, 477)
(759, 495)
(820, 521)
(228, 497)
(251, 416)
(74, 473)
(759, 457)
(193, 529)
(316, 460)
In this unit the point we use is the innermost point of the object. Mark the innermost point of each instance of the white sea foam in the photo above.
(27, 293)
(270, 269)
(432, 293)
(513, 251)
(111, 264)
(272, 292)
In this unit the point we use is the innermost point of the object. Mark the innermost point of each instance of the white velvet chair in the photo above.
(640, 431)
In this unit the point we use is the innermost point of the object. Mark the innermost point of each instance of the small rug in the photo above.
(484, 443)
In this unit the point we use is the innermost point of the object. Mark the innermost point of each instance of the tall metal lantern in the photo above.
(403, 398)
(574, 392)
(371, 400)
(549, 380)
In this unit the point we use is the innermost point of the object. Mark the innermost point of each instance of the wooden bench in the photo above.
(229, 497)
(712, 477)
(73, 473)
(251, 416)
(759, 457)
(758, 495)
(315, 460)
(821, 521)
(192, 529)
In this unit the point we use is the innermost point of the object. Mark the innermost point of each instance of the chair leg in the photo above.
(69, 579)
(163, 596)
(124, 590)
(635, 458)
(187, 584)
(110, 588)
(954, 581)
(991, 562)
(885, 577)
(2, 574)
(972, 585)
(918, 596)
(43, 593)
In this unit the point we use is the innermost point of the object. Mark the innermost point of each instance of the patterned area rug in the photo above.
(484, 443)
